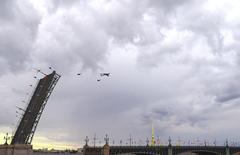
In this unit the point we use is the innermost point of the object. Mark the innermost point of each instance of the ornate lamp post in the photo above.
(215, 142)
(106, 139)
(121, 142)
(226, 142)
(6, 138)
(86, 141)
(205, 143)
(94, 140)
(130, 140)
(169, 141)
(147, 141)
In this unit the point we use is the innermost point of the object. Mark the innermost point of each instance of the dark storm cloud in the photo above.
(7, 9)
(17, 33)
(168, 6)
(230, 91)
(75, 41)
(175, 116)
(64, 3)
(228, 97)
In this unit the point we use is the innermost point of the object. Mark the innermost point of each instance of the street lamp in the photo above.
(6, 138)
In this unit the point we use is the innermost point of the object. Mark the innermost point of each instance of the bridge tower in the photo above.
(29, 121)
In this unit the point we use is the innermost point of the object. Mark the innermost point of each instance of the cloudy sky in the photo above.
(173, 63)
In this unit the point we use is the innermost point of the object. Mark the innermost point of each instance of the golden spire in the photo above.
(153, 140)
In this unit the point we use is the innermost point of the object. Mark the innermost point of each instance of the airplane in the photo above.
(79, 73)
(105, 74)
(98, 80)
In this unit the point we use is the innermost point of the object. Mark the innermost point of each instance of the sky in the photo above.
(172, 63)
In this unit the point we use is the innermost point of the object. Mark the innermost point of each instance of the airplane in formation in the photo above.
(78, 74)
(101, 74)
(105, 74)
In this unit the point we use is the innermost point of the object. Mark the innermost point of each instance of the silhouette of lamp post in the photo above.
(169, 141)
(94, 140)
(6, 138)
(86, 141)
(215, 142)
(121, 142)
(130, 140)
(226, 142)
(147, 141)
(106, 139)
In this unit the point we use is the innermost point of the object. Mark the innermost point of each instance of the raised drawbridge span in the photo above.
(29, 120)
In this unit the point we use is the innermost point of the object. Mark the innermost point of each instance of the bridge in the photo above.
(161, 150)
(22, 138)
(32, 114)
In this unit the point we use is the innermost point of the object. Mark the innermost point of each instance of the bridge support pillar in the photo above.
(170, 150)
(18, 149)
(106, 150)
(227, 151)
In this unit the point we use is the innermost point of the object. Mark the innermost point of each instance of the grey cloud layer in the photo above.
(174, 63)
(19, 26)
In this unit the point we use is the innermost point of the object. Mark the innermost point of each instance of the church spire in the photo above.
(153, 139)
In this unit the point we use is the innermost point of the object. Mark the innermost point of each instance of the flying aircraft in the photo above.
(79, 73)
(105, 74)
(98, 80)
